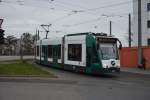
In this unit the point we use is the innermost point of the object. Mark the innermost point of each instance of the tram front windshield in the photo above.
(108, 51)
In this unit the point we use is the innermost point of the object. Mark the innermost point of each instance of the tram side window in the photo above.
(74, 52)
(37, 50)
(59, 51)
(43, 51)
(50, 51)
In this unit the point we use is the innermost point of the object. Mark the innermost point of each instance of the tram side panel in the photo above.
(94, 64)
(79, 53)
(75, 53)
(54, 51)
(38, 52)
(37, 57)
(48, 52)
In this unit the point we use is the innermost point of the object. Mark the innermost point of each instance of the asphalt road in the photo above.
(73, 86)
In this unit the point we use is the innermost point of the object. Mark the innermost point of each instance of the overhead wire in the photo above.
(52, 1)
(85, 10)
(113, 15)
(76, 11)
(22, 3)
(96, 19)
(81, 10)
(109, 6)
(106, 15)
(62, 18)
(84, 22)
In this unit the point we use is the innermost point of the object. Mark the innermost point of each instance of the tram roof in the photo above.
(54, 40)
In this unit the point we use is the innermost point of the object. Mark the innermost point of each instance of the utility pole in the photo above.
(21, 49)
(38, 34)
(36, 37)
(130, 31)
(35, 42)
(139, 35)
(110, 28)
(46, 28)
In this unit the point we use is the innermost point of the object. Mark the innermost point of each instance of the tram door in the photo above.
(55, 54)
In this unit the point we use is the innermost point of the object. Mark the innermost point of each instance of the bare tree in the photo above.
(10, 45)
(28, 44)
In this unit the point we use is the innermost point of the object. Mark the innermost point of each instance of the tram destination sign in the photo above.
(106, 40)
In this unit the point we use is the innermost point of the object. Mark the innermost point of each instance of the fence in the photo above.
(129, 57)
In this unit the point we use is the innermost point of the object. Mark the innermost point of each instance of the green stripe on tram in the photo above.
(93, 59)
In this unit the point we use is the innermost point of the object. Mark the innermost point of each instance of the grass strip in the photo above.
(22, 68)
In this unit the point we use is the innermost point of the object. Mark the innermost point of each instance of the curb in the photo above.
(29, 76)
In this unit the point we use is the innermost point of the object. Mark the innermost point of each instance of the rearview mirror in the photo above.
(97, 45)
(120, 47)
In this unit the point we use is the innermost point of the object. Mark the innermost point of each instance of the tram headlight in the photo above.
(118, 64)
(105, 66)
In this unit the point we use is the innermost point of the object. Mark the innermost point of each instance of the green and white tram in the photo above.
(92, 53)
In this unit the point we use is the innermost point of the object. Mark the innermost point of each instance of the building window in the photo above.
(148, 24)
(148, 6)
(37, 48)
(74, 52)
(50, 51)
(148, 42)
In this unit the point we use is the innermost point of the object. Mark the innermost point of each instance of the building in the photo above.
(145, 13)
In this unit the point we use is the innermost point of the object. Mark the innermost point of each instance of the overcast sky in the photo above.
(66, 16)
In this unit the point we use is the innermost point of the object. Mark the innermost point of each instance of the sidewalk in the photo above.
(9, 58)
(135, 70)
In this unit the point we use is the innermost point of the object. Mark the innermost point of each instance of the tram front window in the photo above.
(108, 51)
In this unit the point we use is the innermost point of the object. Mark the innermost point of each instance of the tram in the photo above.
(91, 53)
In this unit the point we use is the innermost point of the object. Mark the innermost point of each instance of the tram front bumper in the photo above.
(107, 70)
(111, 70)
